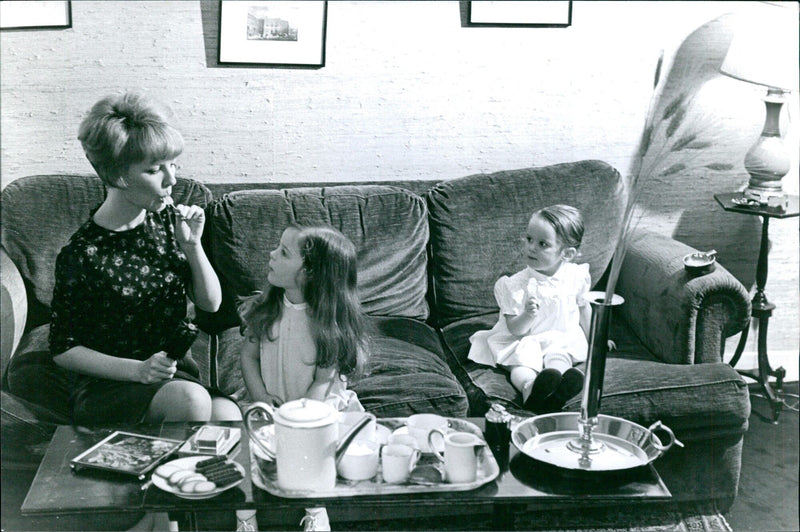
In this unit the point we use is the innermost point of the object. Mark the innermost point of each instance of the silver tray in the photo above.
(616, 444)
(488, 470)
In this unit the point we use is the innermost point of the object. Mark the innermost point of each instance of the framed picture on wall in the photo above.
(289, 34)
(22, 14)
(541, 14)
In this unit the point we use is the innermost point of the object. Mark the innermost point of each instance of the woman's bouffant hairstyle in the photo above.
(130, 128)
(567, 222)
(339, 327)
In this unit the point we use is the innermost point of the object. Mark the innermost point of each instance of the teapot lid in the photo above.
(307, 412)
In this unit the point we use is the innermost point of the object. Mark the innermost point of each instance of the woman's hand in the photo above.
(157, 368)
(189, 226)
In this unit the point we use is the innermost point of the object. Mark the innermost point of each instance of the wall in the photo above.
(407, 92)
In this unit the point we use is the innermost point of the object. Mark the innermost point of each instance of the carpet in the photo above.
(671, 517)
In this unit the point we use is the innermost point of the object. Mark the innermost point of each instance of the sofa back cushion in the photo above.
(388, 226)
(477, 224)
(40, 214)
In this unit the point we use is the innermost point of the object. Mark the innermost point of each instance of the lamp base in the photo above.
(770, 197)
(767, 161)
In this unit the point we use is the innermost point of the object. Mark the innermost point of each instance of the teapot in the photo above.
(307, 445)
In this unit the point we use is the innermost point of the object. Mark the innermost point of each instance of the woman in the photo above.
(122, 279)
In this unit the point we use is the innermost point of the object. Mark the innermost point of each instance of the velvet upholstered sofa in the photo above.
(429, 254)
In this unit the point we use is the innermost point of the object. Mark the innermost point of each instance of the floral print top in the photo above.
(119, 293)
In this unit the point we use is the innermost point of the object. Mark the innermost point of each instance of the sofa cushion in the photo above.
(406, 372)
(388, 226)
(34, 231)
(477, 223)
(694, 400)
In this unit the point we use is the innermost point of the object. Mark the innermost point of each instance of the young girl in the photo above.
(544, 320)
(306, 332)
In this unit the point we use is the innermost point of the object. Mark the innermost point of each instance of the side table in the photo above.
(762, 308)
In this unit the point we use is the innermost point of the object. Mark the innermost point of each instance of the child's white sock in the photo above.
(246, 521)
(316, 519)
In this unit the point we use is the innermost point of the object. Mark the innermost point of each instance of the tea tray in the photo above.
(488, 470)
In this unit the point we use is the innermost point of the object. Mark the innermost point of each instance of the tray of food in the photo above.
(370, 467)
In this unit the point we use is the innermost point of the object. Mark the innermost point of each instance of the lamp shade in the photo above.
(764, 49)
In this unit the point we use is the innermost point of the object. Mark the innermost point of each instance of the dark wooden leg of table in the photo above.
(187, 521)
(762, 310)
(503, 515)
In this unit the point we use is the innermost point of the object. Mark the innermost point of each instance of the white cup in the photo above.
(421, 425)
(348, 419)
(360, 461)
(397, 461)
(403, 439)
(460, 455)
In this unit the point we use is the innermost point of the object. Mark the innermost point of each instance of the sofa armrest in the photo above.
(681, 319)
(13, 308)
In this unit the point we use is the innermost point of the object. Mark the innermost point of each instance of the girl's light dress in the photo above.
(556, 327)
(288, 363)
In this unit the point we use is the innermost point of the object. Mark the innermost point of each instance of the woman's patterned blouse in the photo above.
(119, 293)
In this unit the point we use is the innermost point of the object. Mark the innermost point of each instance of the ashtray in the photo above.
(745, 202)
(700, 263)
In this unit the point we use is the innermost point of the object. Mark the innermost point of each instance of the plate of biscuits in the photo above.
(198, 477)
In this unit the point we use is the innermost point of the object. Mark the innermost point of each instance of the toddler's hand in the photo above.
(532, 306)
(156, 368)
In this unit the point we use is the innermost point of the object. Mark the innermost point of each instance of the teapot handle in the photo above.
(269, 414)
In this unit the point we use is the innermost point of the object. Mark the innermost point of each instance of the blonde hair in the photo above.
(567, 222)
(125, 129)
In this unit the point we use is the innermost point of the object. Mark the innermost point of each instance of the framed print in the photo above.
(35, 15)
(272, 33)
(542, 14)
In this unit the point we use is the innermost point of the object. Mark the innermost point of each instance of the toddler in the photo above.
(544, 319)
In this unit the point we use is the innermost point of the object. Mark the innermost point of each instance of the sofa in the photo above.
(429, 254)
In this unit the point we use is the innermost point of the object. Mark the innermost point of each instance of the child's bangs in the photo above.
(155, 143)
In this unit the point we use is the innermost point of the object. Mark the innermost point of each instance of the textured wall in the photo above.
(407, 92)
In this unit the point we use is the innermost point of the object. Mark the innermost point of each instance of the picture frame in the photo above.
(271, 33)
(23, 14)
(521, 14)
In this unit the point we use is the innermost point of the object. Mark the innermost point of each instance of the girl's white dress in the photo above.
(288, 363)
(556, 327)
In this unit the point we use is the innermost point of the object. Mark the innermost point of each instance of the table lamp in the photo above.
(764, 51)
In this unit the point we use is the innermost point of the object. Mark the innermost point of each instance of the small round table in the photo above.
(762, 308)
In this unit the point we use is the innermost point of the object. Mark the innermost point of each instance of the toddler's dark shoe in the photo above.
(571, 384)
(544, 386)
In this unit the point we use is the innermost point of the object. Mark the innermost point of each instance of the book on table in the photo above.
(126, 452)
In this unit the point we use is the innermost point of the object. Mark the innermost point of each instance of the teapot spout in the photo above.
(348, 438)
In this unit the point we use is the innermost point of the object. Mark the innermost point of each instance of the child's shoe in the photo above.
(316, 519)
(544, 386)
(571, 384)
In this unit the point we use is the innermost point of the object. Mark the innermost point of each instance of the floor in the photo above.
(768, 491)
(768, 485)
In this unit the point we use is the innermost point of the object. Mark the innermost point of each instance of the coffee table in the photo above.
(522, 485)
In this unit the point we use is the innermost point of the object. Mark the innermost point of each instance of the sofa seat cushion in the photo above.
(694, 400)
(477, 224)
(388, 225)
(404, 375)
